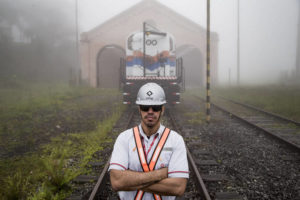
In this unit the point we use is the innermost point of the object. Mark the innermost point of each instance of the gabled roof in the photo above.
(144, 4)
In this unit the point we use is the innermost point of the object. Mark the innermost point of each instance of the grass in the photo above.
(195, 118)
(26, 111)
(277, 99)
(30, 114)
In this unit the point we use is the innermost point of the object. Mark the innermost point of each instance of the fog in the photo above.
(268, 33)
(38, 37)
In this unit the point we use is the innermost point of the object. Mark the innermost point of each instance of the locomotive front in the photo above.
(150, 57)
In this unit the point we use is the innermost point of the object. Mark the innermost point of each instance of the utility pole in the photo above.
(208, 63)
(238, 42)
(144, 48)
(298, 46)
(77, 45)
(229, 77)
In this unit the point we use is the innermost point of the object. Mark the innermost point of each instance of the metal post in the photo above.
(77, 46)
(238, 42)
(144, 47)
(229, 77)
(298, 46)
(208, 64)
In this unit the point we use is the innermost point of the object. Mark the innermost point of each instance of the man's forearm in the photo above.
(127, 180)
(168, 187)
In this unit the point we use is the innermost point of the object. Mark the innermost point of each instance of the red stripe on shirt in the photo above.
(118, 165)
(178, 172)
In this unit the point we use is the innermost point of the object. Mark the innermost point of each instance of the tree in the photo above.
(44, 31)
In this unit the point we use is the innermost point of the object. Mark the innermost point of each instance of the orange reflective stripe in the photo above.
(139, 195)
(157, 197)
(140, 149)
(158, 149)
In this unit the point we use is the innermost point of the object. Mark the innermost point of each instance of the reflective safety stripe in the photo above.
(159, 147)
(139, 146)
(139, 195)
(157, 197)
(143, 160)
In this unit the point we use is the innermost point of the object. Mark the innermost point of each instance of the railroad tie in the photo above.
(97, 164)
(206, 162)
(214, 177)
(74, 198)
(85, 179)
(228, 196)
(201, 152)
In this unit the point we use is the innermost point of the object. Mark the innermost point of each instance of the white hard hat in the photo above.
(151, 94)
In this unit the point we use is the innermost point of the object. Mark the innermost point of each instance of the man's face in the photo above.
(151, 114)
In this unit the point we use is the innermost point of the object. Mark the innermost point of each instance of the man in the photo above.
(149, 161)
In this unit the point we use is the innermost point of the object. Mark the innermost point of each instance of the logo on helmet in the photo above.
(149, 93)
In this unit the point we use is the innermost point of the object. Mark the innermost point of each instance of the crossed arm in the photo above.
(156, 181)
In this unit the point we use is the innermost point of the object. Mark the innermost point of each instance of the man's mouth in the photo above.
(150, 117)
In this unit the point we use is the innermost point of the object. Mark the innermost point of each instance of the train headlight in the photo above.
(151, 42)
(148, 42)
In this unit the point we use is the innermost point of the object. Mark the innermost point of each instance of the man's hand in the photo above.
(127, 180)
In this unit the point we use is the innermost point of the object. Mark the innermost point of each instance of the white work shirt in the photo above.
(173, 156)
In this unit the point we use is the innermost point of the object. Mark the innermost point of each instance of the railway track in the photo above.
(284, 130)
(262, 168)
(194, 185)
(196, 188)
(243, 167)
(102, 180)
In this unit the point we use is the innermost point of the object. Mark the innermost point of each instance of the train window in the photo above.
(171, 44)
(129, 42)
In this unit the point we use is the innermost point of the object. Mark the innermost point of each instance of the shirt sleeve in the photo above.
(119, 157)
(178, 165)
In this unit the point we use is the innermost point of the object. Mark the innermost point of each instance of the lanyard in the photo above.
(144, 146)
(142, 153)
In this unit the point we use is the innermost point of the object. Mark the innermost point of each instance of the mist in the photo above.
(38, 38)
(268, 38)
(71, 72)
(268, 34)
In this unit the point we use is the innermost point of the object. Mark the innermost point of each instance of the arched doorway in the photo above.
(108, 66)
(193, 64)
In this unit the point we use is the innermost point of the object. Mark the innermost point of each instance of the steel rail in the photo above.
(104, 174)
(103, 177)
(199, 179)
(263, 111)
(291, 145)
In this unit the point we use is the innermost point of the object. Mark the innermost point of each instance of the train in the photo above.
(151, 57)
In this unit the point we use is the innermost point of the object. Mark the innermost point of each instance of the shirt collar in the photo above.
(159, 131)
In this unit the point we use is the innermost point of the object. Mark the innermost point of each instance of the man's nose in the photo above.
(150, 110)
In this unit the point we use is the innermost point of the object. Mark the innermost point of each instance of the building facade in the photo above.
(102, 47)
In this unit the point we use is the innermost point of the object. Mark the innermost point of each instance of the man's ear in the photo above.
(163, 110)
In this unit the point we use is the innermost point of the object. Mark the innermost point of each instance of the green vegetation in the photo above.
(195, 117)
(284, 101)
(48, 135)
